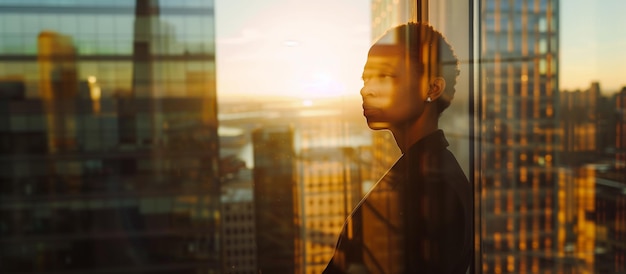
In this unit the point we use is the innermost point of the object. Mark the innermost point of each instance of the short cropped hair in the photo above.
(437, 59)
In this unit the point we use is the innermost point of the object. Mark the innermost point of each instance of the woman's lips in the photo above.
(368, 110)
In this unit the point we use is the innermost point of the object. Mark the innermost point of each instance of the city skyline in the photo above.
(279, 48)
(121, 155)
(253, 39)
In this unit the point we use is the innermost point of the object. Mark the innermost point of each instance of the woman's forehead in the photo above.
(385, 62)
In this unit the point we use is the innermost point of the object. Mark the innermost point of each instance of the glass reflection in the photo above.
(417, 217)
(109, 139)
(109, 148)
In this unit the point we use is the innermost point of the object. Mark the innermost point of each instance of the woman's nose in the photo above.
(366, 90)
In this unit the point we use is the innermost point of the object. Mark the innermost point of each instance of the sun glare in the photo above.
(292, 53)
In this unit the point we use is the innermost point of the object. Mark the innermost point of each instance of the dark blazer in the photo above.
(416, 219)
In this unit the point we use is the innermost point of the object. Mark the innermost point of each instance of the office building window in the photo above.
(223, 136)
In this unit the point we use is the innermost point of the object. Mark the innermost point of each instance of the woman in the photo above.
(417, 218)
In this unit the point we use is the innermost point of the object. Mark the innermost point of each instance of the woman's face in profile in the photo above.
(389, 100)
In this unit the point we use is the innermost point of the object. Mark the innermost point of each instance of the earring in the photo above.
(428, 100)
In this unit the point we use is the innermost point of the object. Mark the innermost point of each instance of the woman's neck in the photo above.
(408, 135)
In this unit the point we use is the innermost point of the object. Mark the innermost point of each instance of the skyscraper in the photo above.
(620, 128)
(519, 92)
(580, 125)
(610, 217)
(109, 138)
(332, 171)
(276, 201)
(238, 223)
(309, 173)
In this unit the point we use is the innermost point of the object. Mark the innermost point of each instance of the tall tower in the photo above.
(332, 171)
(153, 37)
(276, 201)
(620, 128)
(58, 82)
(238, 234)
(519, 92)
(579, 121)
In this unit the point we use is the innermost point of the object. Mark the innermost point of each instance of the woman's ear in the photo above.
(436, 87)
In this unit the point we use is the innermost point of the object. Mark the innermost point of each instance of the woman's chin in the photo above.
(377, 125)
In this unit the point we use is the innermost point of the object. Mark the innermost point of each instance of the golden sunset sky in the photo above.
(310, 49)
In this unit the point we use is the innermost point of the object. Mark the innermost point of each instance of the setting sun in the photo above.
(292, 51)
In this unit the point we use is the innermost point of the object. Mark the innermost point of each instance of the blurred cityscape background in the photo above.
(121, 151)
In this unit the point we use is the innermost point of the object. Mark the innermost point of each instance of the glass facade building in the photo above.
(276, 201)
(333, 175)
(519, 97)
(108, 137)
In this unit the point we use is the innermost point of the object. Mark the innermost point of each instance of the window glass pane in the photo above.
(213, 136)
(80, 89)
